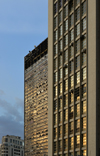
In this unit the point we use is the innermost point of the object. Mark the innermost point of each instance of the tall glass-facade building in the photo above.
(36, 101)
(74, 77)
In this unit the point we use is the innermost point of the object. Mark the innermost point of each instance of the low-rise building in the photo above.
(12, 146)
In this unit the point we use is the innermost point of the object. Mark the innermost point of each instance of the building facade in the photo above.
(36, 101)
(12, 146)
(74, 78)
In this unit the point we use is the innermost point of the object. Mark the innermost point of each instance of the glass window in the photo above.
(84, 8)
(65, 71)
(55, 147)
(66, 85)
(55, 91)
(78, 30)
(60, 103)
(71, 142)
(65, 11)
(71, 81)
(60, 88)
(71, 51)
(60, 117)
(84, 24)
(77, 125)
(55, 22)
(77, 62)
(60, 131)
(71, 111)
(84, 107)
(55, 119)
(55, 50)
(83, 58)
(77, 78)
(65, 144)
(84, 42)
(55, 64)
(66, 100)
(77, 47)
(55, 35)
(60, 45)
(55, 77)
(84, 140)
(84, 152)
(71, 98)
(60, 145)
(65, 1)
(66, 115)
(55, 105)
(66, 56)
(71, 127)
(77, 141)
(77, 153)
(65, 40)
(84, 90)
(71, 20)
(65, 129)
(60, 17)
(60, 31)
(84, 74)
(77, 2)
(60, 60)
(77, 13)
(60, 4)
(65, 25)
(71, 6)
(84, 123)
(71, 66)
(55, 8)
(77, 96)
(55, 133)
(77, 110)
(71, 35)
(60, 74)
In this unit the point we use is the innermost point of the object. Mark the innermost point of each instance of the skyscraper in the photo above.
(74, 77)
(36, 101)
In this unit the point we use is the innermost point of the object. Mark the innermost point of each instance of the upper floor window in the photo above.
(84, 107)
(84, 8)
(65, 25)
(71, 51)
(55, 91)
(60, 74)
(66, 56)
(55, 77)
(77, 62)
(71, 6)
(60, 45)
(77, 14)
(66, 40)
(84, 24)
(55, 22)
(71, 20)
(60, 60)
(65, 129)
(60, 17)
(77, 29)
(55, 8)
(65, 11)
(66, 100)
(77, 46)
(55, 35)
(55, 105)
(77, 2)
(71, 142)
(55, 64)
(55, 50)
(60, 31)
(55, 133)
(77, 78)
(71, 35)
(60, 4)
(55, 147)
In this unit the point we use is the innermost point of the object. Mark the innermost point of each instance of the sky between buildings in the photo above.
(23, 24)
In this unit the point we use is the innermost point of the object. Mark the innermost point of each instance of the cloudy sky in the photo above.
(23, 24)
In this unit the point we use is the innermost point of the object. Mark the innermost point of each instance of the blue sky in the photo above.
(23, 24)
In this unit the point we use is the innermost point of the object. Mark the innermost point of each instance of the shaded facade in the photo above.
(73, 77)
(36, 101)
(11, 146)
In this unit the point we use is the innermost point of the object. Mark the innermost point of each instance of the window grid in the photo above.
(79, 45)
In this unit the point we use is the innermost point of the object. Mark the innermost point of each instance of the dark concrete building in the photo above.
(36, 101)
(74, 77)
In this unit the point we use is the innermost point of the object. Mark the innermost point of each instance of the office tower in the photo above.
(11, 146)
(36, 101)
(74, 77)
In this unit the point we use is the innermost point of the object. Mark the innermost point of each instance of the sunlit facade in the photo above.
(73, 65)
(36, 101)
